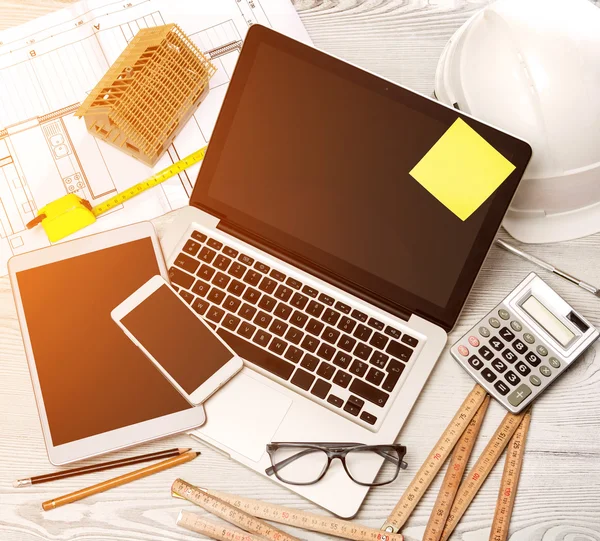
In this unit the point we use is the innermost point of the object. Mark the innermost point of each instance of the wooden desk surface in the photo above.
(558, 498)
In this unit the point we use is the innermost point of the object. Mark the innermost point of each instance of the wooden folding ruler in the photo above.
(456, 493)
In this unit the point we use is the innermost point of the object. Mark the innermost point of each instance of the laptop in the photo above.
(319, 258)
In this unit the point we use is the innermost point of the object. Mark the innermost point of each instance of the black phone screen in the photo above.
(180, 341)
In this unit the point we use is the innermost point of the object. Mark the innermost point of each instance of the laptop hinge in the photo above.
(208, 210)
(315, 270)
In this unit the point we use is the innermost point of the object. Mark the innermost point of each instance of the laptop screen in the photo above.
(314, 156)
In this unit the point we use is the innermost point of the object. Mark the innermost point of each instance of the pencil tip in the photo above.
(198, 453)
(184, 450)
(22, 483)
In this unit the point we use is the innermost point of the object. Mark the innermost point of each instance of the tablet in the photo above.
(95, 390)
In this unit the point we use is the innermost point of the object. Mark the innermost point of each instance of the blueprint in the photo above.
(48, 66)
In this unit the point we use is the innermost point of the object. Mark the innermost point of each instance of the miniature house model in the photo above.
(149, 93)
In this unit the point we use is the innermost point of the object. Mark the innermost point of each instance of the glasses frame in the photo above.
(334, 451)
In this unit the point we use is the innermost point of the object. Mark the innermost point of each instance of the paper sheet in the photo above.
(462, 169)
(48, 66)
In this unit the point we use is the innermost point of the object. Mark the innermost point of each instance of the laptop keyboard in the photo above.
(307, 340)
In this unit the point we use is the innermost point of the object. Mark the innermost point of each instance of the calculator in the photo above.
(524, 344)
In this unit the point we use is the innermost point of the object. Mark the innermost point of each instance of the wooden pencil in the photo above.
(121, 480)
(129, 461)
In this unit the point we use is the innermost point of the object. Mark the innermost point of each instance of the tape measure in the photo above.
(454, 474)
(71, 213)
(221, 504)
(435, 460)
(510, 481)
(228, 512)
(195, 523)
(150, 182)
(482, 468)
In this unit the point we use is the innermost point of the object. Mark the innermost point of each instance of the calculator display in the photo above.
(548, 321)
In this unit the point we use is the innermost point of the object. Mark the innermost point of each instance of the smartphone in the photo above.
(184, 348)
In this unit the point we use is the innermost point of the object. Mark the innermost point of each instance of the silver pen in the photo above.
(514, 250)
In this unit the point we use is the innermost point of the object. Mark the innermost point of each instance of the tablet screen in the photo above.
(93, 378)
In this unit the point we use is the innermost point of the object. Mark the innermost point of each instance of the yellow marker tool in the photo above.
(435, 460)
(510, 481)
(453, 477)
(71, 213)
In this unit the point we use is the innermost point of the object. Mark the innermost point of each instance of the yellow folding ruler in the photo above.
(71, 213)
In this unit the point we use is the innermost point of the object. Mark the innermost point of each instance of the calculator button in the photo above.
(520, 346)
(542, 350)
(509, 355)
(529, 338)
(474, 341)
(519, 394)
(522, 368)
(516, 326)
(488, 375)
(545, 371)
(494, 322)
(484, 331)
(463, 350)
(503, 313)
(475, 362)
(534, 380)
(512, 378)
(498, 365)
(554, 362)
(532, 359)
(505, 333)
(496, 343)
(501, 387)
(486, 353)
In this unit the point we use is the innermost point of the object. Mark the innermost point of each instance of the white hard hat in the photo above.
(532, 68)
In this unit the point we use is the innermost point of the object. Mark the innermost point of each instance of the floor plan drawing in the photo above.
(48, 66)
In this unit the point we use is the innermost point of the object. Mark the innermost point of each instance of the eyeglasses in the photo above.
(307, 463)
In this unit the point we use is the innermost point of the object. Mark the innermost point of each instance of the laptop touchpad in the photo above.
(244, 415)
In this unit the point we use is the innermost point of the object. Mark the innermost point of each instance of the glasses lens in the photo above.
(373, 465)
(299, 465)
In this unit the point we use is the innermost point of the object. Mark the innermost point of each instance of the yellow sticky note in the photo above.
(462, 169)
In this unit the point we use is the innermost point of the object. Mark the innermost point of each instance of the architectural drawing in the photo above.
(47, 68)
